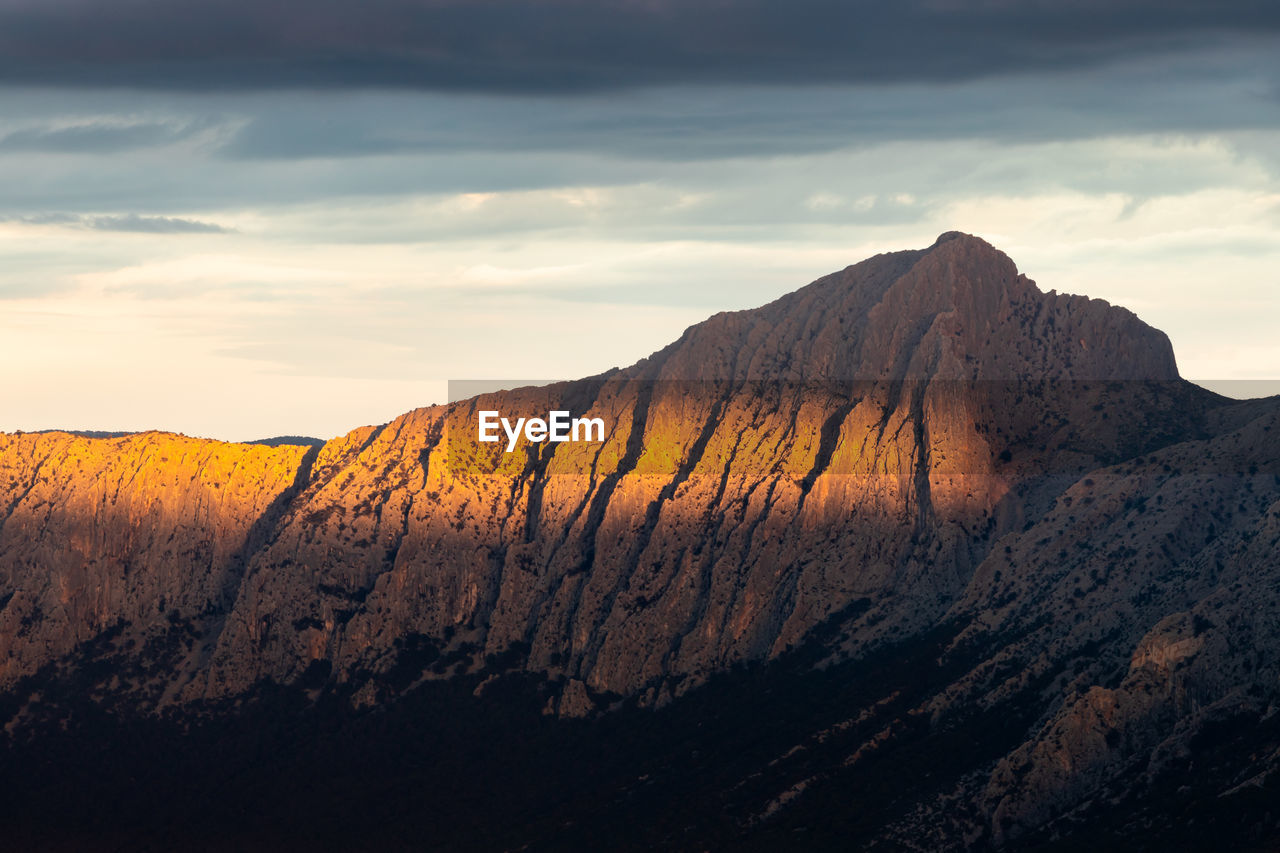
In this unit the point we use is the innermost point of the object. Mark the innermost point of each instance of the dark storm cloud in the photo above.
(567, 45)
(1192, 93)
(129, 222)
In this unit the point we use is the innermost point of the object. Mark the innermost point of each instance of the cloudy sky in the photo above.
(241, 219)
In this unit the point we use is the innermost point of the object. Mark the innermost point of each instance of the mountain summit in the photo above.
(957, 310)
(998, 512)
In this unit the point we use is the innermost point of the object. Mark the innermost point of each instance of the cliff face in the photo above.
(861, 440)
(136, 532)
(769, 469)
(1139, 617)
(923, 439)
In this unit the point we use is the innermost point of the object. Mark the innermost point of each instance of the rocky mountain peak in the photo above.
(956, 310)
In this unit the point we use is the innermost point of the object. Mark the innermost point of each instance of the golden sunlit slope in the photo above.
(131, 531)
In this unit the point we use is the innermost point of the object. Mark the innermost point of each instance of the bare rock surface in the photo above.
(923, 439)
(144, 531)
(765, 471)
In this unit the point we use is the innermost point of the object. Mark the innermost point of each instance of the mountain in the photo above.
(946, 561)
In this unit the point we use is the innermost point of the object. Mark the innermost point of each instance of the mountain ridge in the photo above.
(913, 306)
(922, 445)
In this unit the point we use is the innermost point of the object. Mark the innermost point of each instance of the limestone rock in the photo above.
(922, 441)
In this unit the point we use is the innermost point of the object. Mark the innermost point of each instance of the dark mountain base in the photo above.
(444, 769)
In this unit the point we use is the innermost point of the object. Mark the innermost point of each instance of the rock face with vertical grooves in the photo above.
(765, 471)
(921, 447)
(141, 531)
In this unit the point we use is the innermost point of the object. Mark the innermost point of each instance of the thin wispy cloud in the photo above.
(134, 223)
(100, 135)
(128, 223)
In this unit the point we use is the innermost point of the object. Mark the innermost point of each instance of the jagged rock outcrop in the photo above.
(1140, 611)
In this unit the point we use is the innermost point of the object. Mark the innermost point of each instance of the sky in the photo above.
(245, 219)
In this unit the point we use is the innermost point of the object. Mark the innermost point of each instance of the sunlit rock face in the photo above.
(136, 532)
